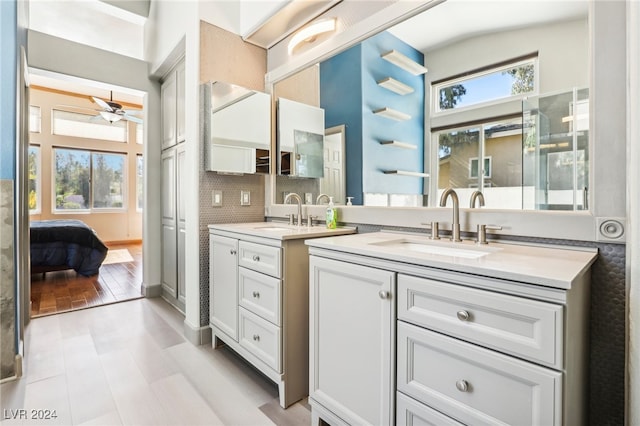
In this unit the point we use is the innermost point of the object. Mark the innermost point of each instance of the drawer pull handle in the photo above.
(256, 337)
(462, 385)
(256, 294)
(256, 258)
(383, 294)
(463, 315)
(232, 252)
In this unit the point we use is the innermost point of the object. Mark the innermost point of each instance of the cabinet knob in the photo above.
(256, 294)
(383, 294)
(462, 386)
(256, 258)
(463, 315)
(256, 337)
(232, 252)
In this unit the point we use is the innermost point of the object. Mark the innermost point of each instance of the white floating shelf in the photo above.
(392, 114)
(398, 144)
(404, 62)
(406, 173)
(395, 86)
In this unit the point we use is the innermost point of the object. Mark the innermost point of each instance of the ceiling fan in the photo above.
(112, 111)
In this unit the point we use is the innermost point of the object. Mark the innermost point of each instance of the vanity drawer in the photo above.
(260, 294)
(523, 327)
(261, 258)
(261, 338)
(410, 412)
(473, 384)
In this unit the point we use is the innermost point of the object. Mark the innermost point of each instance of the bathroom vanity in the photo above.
(259, 298)
(408, 330)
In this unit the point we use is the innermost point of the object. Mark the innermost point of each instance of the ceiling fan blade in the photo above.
(132, 118)
(132, 111)
(102, 104)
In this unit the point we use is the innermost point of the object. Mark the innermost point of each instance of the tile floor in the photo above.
(128, 364)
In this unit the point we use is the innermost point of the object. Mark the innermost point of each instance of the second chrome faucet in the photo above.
(455, 225)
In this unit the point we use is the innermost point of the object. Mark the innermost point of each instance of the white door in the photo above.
(333, 182)
(351, 354)
(168, 93)
(181, 213)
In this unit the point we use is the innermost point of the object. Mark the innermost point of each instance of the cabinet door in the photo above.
(169, 223)
(168, 106)
(351, 351)
(180, 103)
(180, 210)
(223, 284)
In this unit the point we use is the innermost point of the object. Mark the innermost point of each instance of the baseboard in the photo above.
(121, 242)
(151, 290)
(198, 336)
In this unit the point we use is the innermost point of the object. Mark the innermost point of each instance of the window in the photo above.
(139, 133)
(107, 180)
(473, 167)
(34, 179)
(67, 123)
(139, 182)
(502, 82)
(35, 119)
(86, 180)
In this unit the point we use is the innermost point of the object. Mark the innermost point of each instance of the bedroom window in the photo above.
(86, 180)
(35, 119)
(139, 183)
(67, 123)
(34, 179)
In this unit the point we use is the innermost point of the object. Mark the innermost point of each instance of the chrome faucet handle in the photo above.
(482, 232)
(291, 216)
(435, 229)
(310, 219)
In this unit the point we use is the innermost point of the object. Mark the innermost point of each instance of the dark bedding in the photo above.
(56, 244)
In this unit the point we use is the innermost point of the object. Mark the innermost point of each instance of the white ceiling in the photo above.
(455, 20)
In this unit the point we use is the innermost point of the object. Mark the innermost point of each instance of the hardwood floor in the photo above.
(63, 291)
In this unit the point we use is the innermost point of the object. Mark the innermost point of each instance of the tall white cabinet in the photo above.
(173, 165)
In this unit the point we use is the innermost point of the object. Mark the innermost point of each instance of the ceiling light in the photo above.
(110, 116)
(404, 62)
(309, 34)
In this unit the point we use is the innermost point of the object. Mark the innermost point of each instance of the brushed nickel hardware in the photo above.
(455, 226)
(482, 232)
(256, 337)
(463, 315)
(256, 294)
(297, 198)
(256, 258)
(462, 386)
(383, 294)
(435, 230)
(232, 252)
(476, 195)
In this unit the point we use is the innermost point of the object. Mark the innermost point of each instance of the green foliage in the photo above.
(449, 96)
(523, 79)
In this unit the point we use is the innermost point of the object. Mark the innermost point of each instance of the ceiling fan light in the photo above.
(110, 116)
(309, 33)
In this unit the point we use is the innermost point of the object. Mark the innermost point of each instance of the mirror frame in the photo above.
(607, 77)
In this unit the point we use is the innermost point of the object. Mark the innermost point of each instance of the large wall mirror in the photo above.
(501, 106)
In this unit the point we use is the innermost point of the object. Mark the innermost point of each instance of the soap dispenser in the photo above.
(332, 215)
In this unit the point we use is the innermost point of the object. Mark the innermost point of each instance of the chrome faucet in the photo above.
(476, 195)
(321, 196)
(455, 226)
(299, 200)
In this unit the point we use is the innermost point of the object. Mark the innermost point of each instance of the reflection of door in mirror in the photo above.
(333, 183)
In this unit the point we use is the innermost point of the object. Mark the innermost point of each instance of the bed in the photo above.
(65, 244)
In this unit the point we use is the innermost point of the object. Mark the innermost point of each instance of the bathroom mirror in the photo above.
(538, 51)
(237, 128)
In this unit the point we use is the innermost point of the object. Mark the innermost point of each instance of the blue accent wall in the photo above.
(349, 94)
(8, 46)
(340, 97)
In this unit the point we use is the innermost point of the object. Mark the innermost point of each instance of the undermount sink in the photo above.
(437, 247)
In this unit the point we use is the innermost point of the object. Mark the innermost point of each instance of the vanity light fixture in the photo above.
(395, 86)
(308, 34)
(404, 62)
(392, 114)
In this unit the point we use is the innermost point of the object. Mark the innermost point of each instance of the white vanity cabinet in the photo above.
(352, 339)
(259, 299)
(476, 342)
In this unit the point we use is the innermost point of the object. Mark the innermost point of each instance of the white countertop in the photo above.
(281, 231)
(552, 267)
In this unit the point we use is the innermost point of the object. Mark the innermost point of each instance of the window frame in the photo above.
(38, 209)
(491, 69)
(91, 209)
